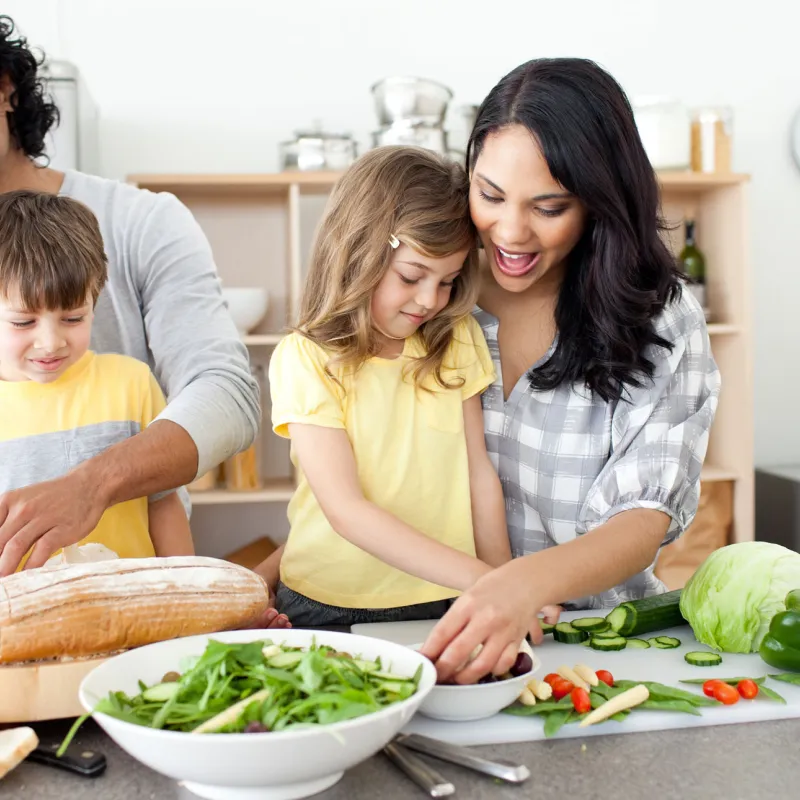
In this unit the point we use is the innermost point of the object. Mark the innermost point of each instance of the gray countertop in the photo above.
(729, 762)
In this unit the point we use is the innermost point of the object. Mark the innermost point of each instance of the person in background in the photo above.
(60, 402)
(162, 305)
(378, 389)
(606, 387)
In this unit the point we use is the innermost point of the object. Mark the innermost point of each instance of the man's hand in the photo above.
(47, 516)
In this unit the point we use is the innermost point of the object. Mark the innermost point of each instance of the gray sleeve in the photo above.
(198, 355)
(660, 435)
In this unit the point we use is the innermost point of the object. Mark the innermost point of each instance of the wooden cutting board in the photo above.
(36, 692)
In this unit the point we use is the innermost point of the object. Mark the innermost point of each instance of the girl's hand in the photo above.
(269, 618)
(497, 612)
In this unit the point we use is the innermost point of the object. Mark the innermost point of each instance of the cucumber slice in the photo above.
(607, 645)
(546, 627)
(638, 644)
(668, 641)
(286, 659)
(658, 645)
(604, 635)
(161, 692)
(703, 658)
(648, 614)
(590, 624)
(566, 634)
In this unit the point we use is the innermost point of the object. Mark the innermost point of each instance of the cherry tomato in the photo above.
(747, 689)
(726, 694)
(561, 688)
(605, 676)
(580, 700)
(709, 686)
(552, 677)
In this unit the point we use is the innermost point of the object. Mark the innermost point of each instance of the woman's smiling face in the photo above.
(528, 223)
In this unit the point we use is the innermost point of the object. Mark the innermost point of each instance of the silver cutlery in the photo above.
(424, 775)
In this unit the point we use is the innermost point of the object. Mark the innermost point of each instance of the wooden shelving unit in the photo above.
(261, 225)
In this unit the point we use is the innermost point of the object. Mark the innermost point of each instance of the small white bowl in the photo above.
(456, 703)
(282, 765)
(247, 306)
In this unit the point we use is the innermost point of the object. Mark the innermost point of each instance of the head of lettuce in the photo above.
(735, 593)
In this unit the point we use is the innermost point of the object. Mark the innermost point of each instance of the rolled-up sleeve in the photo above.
(198, 355)
(660, 433)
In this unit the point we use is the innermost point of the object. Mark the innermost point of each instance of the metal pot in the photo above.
(414, 100)
(316, 150)
(431, 137)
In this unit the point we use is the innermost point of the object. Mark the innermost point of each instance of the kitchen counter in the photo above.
(734, 762)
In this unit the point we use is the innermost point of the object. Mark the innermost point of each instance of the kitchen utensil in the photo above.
(455, 754)
(317, 150)
(247, 306)
(455, 703)
(424, 775)
(409, 99)
(711, 139)
(665, 129)
(664, 666)
(33, 692)
(430, 137)
(75, 759)
(220, 765)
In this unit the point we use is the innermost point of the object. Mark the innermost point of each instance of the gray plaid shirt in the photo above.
(568, 461)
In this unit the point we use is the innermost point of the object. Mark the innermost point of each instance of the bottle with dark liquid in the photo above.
(693, 263)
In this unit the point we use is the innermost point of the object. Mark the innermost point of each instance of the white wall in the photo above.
(196, 85)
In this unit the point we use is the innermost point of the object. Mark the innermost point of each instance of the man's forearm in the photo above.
(598, 560)
(161, 457)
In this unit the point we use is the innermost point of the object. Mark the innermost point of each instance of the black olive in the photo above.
(256, 727)
(522, 665)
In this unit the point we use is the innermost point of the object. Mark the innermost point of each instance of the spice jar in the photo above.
(205, 483)
(712, 135)
(243, 470)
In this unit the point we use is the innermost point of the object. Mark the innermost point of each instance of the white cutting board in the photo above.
(664, 666)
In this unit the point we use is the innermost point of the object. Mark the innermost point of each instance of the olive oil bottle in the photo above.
(693, 263)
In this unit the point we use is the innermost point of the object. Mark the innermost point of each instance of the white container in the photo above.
(665, 128)
(247, 306)
(281, 765)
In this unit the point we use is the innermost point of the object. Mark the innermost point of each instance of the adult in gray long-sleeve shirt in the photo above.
(162, 305)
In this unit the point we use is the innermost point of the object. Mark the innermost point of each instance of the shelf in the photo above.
(262, 339)
(259, 184)
(709, 474)
(274, 491)
(687, 181)
(721, 329)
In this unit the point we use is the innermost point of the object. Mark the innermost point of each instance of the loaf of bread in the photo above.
(90, 609)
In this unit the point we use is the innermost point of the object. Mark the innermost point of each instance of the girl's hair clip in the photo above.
(394, 242)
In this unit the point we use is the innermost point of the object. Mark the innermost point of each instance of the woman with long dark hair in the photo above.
(598, 421)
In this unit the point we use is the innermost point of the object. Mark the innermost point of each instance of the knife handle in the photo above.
(425, 776)
(76, 759)
(463, 757)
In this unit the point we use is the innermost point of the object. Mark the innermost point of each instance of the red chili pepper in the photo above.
(580, 700)
(709, 686)
(726, 694)
(561, 688)
(605, 676)
(747, 689)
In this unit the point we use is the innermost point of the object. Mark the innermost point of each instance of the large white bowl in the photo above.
(247, 306)
(254, 766)
(463, 703)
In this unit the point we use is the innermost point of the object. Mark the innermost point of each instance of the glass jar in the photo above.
(712, 138)
(243, 470)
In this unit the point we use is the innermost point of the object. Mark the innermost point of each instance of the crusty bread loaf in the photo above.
(79, 610)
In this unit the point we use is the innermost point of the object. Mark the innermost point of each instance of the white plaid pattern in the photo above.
(568, 461)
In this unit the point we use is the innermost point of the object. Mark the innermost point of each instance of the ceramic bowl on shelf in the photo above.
(247, 306)
(279, 765)
(463, 703)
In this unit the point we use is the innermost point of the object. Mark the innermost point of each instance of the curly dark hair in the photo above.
(621, 274)
(33, 114)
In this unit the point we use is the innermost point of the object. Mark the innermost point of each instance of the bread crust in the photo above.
(84, 610)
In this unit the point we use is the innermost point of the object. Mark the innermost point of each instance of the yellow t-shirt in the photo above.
(411, 454)
(48, 429)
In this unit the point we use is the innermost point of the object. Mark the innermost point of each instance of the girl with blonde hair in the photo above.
(398, 508)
